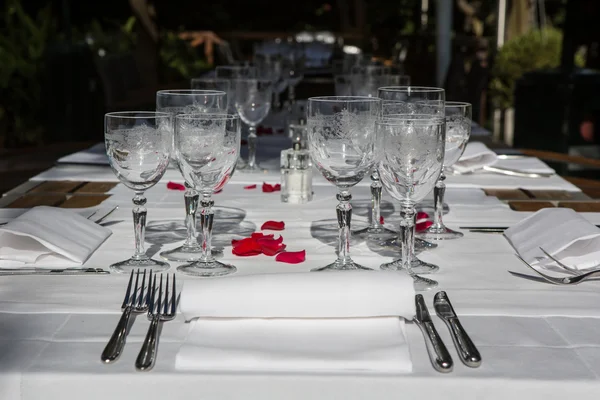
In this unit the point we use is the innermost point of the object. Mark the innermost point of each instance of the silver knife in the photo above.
(516, 172)
(42, 271)
(467, 351)
(438, 353)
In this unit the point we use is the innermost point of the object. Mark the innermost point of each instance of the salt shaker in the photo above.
(296, 168)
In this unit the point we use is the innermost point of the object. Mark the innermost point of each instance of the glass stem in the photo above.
(344, 216)
(206, 223)
(191, 206)
(407, 236)
(139, 226)
(375, 200)
(252, 147)
(276, 100)
(292, 95)
(438, 198)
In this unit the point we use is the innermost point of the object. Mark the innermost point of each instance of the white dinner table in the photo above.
(537, 341)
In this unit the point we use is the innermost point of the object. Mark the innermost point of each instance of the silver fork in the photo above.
(569, 280)
(560, 264)
(161, 309)
(134, 302)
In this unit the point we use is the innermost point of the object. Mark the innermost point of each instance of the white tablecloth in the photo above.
(536, 340)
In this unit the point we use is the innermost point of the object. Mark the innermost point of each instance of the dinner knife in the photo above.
(465, 347)
(64, 271)
(438, 353)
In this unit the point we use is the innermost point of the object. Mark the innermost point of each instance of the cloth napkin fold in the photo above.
(476, 155)
(48, 236)
(298, 322)
(562, 232)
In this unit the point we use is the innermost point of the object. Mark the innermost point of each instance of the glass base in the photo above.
(417, 266)
(420, 244)
(439, 233)
(374, 231)
(339, 266)
(187, 254)
(207, 269)
(422, 284)
(125, 267)
(255, 169)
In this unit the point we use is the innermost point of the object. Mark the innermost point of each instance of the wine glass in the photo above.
(207, 147)
(185, 102)
(253, 102)
(138, 145)
(412, 100)
(413, 154)
(341, 138)
(269, 67)
(458, 130)
(219, 84)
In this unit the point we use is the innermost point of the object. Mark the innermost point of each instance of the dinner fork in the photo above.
(569, 280)
(163, 309)
(134, 302)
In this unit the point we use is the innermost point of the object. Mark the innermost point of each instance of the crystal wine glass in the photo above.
(269, 67)
(220, 84)
(207, 147)
(458, 130)
(341, 138)
(186, 102)
(138, 145)
(413, 100)
(413, 154)
(253, 102)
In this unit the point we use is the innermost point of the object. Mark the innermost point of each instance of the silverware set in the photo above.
(160, 304)
(437, 350)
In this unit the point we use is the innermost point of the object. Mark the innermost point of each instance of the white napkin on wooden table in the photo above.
(476, 156)
(332, 321)
(49, 236)
(562, 232)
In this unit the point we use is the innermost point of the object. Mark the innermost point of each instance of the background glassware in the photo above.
(341, 139)
(186, 102)
(138, 145)
(458, 131)
(295, 67)
(207, 147)
(412, 100)
(270, 67)
(219, 84)
(343, 84)
(253, 102)
(413, 153)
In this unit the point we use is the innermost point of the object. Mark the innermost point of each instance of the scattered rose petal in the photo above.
(246, 247)
(270, 247)
(422, 226)
(268, 188)
(381, 220)
(175, 186)
(250, 187)
(273, 226)
(258, 235)
(422, 215)
(291, 257)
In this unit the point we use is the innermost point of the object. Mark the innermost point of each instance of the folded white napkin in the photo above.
(476, 156)
(562, 232)
(47, 237)
(298, 322)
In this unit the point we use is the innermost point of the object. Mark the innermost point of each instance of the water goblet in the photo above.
(458, 130)
(253, 102)
(413, 154)
(185, 102)
(138, 145)
(207, 147)
(341, 138)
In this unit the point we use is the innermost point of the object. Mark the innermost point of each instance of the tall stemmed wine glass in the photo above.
(253, 102)
(207, 147)
(458, 130)
(220, 84)
(138, 145)
(413, 100)
(186, 102)
(341, 137)
(413, 153)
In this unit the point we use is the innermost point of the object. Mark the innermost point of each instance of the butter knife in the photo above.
(42, 271)
(438, 353)
(467, 351)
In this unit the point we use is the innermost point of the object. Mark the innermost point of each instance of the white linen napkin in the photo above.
(47, 237)
(562, 232)
(298, 322)
(476, 156)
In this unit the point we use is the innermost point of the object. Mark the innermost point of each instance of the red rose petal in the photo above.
(175, 186)
(273, 226)
(291, 257)
(250, 187)
(270, 247)
(381, 220)
(247, 246)
(421, 226)
(268, 188)
(258, 235)
(422, 215)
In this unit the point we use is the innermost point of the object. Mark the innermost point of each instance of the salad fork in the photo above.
(160, 310)
(133, 302)
(569, 280)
